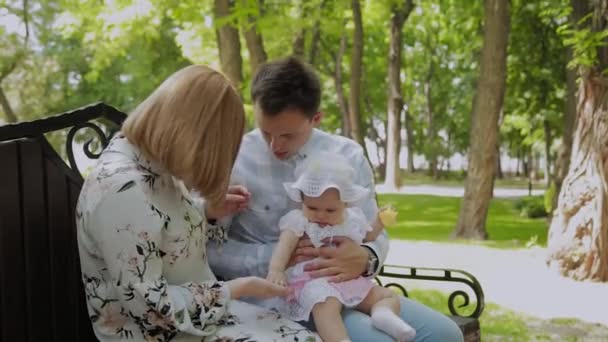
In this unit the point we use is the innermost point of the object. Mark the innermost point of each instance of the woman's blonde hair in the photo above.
(192, 125)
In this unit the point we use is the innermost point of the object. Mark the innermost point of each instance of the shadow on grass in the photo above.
(502, 324)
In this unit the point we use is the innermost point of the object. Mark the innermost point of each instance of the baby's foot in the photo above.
(386, 320)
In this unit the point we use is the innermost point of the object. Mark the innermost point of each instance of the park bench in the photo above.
(41, 294)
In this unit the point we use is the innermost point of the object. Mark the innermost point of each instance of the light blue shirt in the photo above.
(253, 233)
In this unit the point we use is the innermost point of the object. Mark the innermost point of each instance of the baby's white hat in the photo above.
(324, 171)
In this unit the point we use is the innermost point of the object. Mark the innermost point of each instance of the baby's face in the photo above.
(324, 210)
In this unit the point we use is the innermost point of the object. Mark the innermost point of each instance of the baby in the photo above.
(325, 188)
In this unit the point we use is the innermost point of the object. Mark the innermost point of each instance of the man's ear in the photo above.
(316, 119)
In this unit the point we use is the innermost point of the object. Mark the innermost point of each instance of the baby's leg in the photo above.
(383, 306)
(328, 320)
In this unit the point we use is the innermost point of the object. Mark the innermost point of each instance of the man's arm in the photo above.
(365, 177)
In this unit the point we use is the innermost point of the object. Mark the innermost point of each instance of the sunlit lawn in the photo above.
(433, 218)
(457, 178)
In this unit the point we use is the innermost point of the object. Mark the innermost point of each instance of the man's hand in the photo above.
(236, 200)
(346, 261)
(255, 287)
(304, 251)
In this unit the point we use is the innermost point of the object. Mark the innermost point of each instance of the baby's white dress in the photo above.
(308, 291)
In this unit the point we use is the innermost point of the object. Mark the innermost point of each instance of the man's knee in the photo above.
(360, 328)
(446, 330)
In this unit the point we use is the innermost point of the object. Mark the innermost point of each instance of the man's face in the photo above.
(287, 131)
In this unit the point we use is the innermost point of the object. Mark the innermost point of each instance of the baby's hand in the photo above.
(387, 215)
(277, 278)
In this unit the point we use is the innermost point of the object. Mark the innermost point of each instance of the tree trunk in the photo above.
(342, 103)
(356, 67)
(533, 166)
(255, 43)
(578, 237)
(229, 45)
(300, 37)
(298, 44)
(487, 105)
(579, 10)
(409, 134)
(499, 173)
(431, 154)
(518, 165)
(6, 107)
(395, 101)
(548, 140)
(577, 244)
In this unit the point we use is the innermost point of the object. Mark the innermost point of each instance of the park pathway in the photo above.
(516, 279)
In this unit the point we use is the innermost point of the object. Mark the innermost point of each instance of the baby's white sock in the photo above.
(386, 320)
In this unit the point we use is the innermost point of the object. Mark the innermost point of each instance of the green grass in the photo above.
(456, 178)
(433, 218)
(501, 324)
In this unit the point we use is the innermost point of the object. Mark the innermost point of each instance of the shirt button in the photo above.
(267, 207)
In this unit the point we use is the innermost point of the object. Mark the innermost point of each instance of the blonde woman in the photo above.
(142, 237)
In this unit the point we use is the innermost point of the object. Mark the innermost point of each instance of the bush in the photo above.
(531, 206)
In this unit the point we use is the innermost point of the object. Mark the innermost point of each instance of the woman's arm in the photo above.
(128, 230)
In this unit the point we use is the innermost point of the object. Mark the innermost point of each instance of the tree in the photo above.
(228, 43)
(15, 50)
(253, 38)
(395, 100)
(484, 122)
(579, 10)
(577, 245)
(356, 71)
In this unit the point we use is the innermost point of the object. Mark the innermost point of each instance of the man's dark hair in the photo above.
(284, 84)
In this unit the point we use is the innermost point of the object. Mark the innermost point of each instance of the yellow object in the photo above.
(388, 216)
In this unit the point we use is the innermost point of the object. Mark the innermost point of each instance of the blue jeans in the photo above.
(430, 325)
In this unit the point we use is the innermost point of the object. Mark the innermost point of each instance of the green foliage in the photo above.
(536, 76)
(531, 206)
(583, 40)
(86, 51)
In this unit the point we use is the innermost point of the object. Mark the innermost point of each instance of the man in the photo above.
(286, 95)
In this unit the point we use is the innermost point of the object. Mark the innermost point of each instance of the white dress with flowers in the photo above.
(308, 291)
(141, 241)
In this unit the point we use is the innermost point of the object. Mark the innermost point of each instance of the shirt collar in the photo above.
(308, 148)
(120, 143)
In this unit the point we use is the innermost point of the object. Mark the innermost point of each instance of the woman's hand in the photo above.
(236, 200)
(255, 287)
(277, 277)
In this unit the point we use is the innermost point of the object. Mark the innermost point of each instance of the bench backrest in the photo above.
(41, 295)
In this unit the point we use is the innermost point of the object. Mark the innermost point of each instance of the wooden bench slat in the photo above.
(72, 318)
(36, 244)
(84, 328)
(12, 262)
(62, 258)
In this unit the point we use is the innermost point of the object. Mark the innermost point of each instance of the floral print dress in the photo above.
(141, 240)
